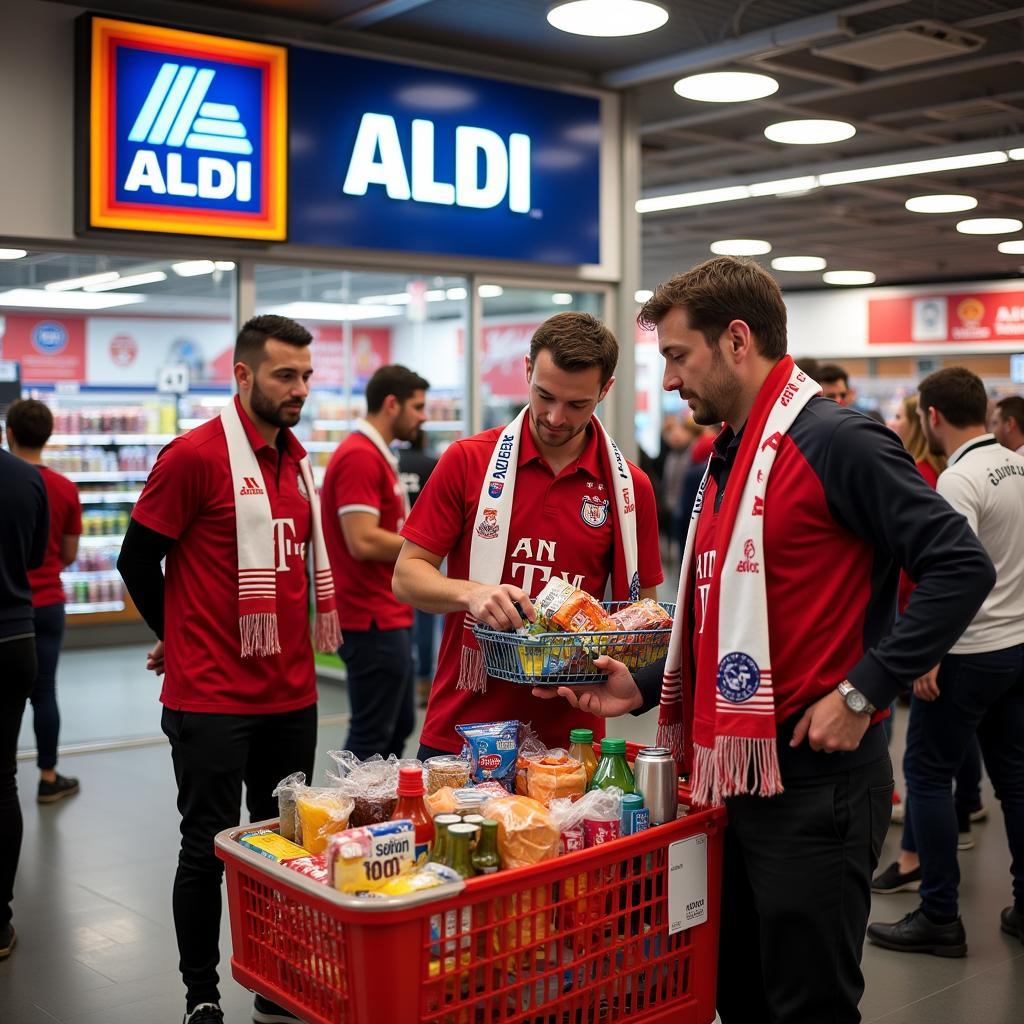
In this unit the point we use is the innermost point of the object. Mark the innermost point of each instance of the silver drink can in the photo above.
(656, 778)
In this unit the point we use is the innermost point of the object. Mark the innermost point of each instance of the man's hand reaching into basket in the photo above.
(617, 696)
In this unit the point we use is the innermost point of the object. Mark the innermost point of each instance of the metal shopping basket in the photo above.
(594, 937)
(560, 659)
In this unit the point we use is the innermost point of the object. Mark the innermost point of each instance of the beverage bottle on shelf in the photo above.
(485, 859)
(582, 750)
(612, 769)
(411, 805)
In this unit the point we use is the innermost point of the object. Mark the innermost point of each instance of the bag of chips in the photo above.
(493, 749)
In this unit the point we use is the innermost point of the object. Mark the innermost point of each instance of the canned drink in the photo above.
(657, 780)
(596, 832)
(635, 817)
(571, 840)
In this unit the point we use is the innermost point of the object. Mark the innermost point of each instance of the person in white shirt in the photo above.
(1008, 423)
(979, 685)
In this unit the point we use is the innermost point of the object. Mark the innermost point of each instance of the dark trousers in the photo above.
(45, 714)
(978, 693)
(796, 895)
(17, 677)
(212, 756)
(381, 687)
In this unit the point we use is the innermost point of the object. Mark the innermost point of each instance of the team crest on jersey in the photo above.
(495, 489)
(738, 677)
(488, 527)
(594, 511)
(302, 486)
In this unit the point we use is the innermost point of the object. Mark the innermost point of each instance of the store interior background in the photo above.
(115, 312)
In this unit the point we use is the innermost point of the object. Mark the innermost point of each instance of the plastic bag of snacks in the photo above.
(319, 813)
(531, 748)
(556, 776)
(372, 784)
(645, 614)
(598, 813)
(285, 793)
(527, 833)
(568, 609)
(493, 749)
(638, 651)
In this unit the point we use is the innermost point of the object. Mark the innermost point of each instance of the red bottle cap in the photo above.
(410, 781)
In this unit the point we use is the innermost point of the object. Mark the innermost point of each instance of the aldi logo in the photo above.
(187, 133)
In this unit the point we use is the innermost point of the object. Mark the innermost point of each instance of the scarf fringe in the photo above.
(327, 632)
(472, 674)
(670, 734)
(259, 635)
(735, 766)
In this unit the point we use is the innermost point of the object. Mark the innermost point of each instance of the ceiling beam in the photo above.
(374, 13)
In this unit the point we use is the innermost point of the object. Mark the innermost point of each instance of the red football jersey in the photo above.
(190, 496)
(65, 521)
(359, 479)
(562, 526)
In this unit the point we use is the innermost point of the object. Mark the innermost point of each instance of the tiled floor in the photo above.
(92, 906)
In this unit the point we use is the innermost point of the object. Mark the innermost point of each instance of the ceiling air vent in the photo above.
(914, 43)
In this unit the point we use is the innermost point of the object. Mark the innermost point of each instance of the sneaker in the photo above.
(915, 933)
(893, 880)
(204, 1013)
(1011, 921)
(51, 792)
(8, 938)
(898, 814)
(964, 841)
(979, 813)
(266, 1012)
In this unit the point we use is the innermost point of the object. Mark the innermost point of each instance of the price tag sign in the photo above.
(687, 883)
(173, 379)
(1017, 368)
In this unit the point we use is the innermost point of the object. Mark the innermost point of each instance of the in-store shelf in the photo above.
(92, 607)
(108, 497)
(85, 575)
(97, 542)
(444, 425)
(111, 438)
(105, 476)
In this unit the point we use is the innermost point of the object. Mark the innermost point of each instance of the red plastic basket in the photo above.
(583, 939)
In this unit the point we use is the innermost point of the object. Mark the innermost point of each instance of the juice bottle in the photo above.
(582, 749)
(485, 856)
(411, 805)
(612, 769)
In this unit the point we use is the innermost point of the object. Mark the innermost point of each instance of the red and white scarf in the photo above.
(490, 539)
(254, 532)
(730, 687)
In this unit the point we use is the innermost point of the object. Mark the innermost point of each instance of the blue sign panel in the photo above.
(387, 156)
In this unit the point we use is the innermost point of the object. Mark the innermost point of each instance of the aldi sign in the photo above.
(187, 133)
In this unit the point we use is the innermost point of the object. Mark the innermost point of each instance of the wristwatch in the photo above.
(855, 700)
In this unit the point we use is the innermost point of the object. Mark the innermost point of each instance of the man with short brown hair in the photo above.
(1008, 423)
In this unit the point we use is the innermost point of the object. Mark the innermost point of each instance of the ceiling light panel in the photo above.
(71, 283)
(726, 87)
(809, 132)
(1013, 247)
(798, 264)
(127, 281)
(607, 17)
(13, 254)
(848, 277)
(989, 226)
(741, 247)
(940, 204)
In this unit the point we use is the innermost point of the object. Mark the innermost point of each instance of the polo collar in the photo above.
(589, 459)
(289, 443)
(981, 441)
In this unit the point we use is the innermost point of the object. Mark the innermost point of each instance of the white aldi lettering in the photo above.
(378, 159)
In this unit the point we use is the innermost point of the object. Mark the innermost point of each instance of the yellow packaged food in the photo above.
(365, 859)
(319, 814)
(271, 845)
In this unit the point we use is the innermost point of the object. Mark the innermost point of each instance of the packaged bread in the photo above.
(526, 832)
(571, 610)
(319, 813)
(554, 777)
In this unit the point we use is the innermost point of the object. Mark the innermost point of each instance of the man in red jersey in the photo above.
(232, 507)
(29, 425)
(364, 507)
(548, 495)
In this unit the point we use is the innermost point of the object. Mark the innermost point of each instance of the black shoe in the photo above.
(916, 934)
(8, 938)
(266, 1012)
(204, 1013)
(1011, 921)
(893, 880)
(51, 792)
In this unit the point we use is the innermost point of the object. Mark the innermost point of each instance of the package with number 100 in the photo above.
(364, 859)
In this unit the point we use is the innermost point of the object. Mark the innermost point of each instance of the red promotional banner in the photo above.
(962, 317)
(49, 348)
(371, 349)
(502, 372)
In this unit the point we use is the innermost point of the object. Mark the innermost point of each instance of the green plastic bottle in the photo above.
(459, 839)
(612, 769)
(440, 851)
(485, 856)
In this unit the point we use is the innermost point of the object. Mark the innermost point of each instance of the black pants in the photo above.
(45, 714)
(796, 895)
(213, 755)
(18, 658)
(381, 687)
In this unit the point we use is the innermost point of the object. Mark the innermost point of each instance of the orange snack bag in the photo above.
(556, 776)
(567, 608)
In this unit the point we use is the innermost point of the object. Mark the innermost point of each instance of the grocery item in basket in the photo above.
(526, 832)
(598, 831)
(441, 802)
(493, 748)
(531, 748)
(314, 866)
(364, 859)
(571, 840)
(285, 793)
(319, 814)
(372, 784)
(571, 610)
(270, 844)
(597, 812)
(446, 770)
(555, 776)
(430, 876)
(645, 614)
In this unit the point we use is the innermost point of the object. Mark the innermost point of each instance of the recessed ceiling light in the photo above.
(809, 132)
(726, 87)
(224, 265)
(1015, 247)
(490, 291)
(39, 298)
(940, 204)
(740, 247)
(434, 294)
(989, 226)
(456, 294)
(607, 17)
(311, 310)
(71, 283)
(12, 254)
(642, 295)
(128, 281)
(562, 299)
(194, 268)
(848, 277)
(798, 263)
